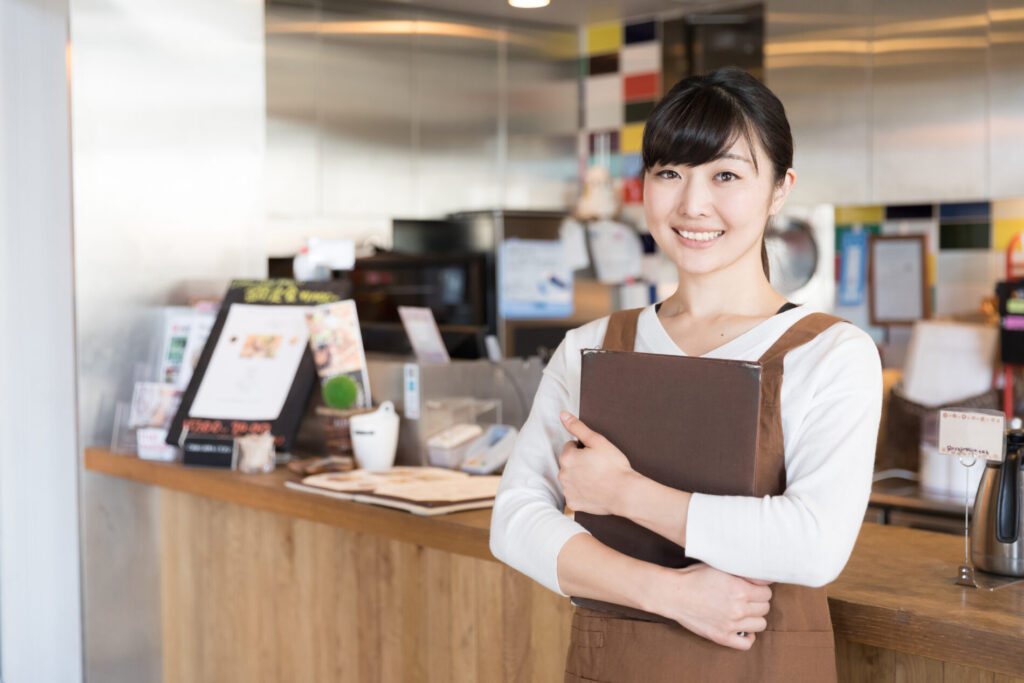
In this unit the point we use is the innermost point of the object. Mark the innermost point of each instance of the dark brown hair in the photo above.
(701, 117)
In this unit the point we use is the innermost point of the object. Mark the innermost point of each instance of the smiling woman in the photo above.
(717, 152)
(704, 149)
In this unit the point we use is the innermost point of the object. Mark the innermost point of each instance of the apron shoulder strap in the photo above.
(621, 332)
(802, 331)
(770, 475)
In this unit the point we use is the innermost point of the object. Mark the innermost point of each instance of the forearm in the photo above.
(723, 608)
(621, 579)
(654, 506)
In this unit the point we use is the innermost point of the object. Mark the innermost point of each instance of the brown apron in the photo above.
(798, 643)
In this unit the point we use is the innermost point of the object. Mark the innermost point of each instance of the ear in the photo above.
(781, 191)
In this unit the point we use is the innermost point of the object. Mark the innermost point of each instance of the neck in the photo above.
(740, 290)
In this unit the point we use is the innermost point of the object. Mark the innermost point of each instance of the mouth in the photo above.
(701, 236)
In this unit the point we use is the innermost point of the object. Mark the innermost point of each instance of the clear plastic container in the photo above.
(448, 447)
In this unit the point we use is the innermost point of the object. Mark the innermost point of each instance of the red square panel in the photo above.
(641, 87)
(633, 191)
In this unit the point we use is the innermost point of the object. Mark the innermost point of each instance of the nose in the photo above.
(694, 200)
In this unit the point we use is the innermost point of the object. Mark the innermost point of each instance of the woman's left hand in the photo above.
(594, 477)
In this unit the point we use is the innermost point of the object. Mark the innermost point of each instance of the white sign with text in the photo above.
(972, 433)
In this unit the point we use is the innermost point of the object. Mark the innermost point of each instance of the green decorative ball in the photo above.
(340, 392)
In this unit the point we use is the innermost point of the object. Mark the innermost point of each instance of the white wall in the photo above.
(40, 604)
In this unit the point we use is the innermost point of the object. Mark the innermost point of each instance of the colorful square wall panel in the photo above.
(1003, 230)
(850, 215)
(632, 165)
(641, 87)
(640, 32)
(637, 112)
(965, 210)
(603, 116)
(909, 211)
(603, 38)
(604, 89)
(633, 191)
(640, 58)
(1007, 208)
(964, 236)
(632, 138)
(603, 64)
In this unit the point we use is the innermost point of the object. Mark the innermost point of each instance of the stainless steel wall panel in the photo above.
(366, 115)
(817, 61)
(1006, 98)
(929, 83)
(376, 111)
(457, 88)
(293, 68)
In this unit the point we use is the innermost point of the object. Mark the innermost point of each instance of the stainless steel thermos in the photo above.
(997, 545)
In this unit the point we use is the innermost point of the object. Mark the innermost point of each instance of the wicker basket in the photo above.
(900, 442)
(337, 438)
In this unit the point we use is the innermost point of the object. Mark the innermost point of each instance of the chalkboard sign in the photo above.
(256, 372)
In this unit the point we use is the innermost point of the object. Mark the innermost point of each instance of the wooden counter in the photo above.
(260, 582)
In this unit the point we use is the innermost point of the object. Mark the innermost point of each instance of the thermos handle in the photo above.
(1007, 515)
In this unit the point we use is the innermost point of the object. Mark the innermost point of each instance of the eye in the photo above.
(726, 176)
(667, 174)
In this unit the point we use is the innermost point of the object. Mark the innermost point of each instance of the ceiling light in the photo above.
(529, 4)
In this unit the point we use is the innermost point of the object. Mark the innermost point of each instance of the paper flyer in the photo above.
(425, 337)
(337, 344)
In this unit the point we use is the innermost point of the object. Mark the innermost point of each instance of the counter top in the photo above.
(897, 590)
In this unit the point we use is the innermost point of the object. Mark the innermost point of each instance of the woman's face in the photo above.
(708, 218)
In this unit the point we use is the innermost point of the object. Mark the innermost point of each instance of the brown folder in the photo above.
(689, 423)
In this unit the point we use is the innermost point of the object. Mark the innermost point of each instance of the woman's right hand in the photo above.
(714, 605)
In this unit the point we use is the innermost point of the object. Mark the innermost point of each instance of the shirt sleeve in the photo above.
(528, 526)
(805, 536)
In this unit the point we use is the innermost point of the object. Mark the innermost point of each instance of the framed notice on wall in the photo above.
(256, 371)
(897, 279)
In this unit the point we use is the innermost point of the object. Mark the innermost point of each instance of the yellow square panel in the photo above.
(603, 38)
(851, 215)
(632, 138)
(1003, 230)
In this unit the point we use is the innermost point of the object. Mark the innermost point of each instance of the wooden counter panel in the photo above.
(465, 533)
(256, 596)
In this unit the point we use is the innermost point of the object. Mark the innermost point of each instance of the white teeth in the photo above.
(700, 236)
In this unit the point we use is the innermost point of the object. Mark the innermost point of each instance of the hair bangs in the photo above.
(694, 130)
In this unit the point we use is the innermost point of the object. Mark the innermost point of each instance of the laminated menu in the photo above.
(420, 490)
(255, 372)
(687, 422)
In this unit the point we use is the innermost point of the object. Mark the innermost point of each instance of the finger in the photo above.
(752, 625)
(568, 449)
(760, 582)
(759, 594)
(738, 642)
(759, 609)
(585, 434)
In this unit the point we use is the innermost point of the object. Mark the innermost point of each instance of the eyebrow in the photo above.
(737, 157)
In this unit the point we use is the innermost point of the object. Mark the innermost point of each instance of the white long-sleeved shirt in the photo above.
(831, 404)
